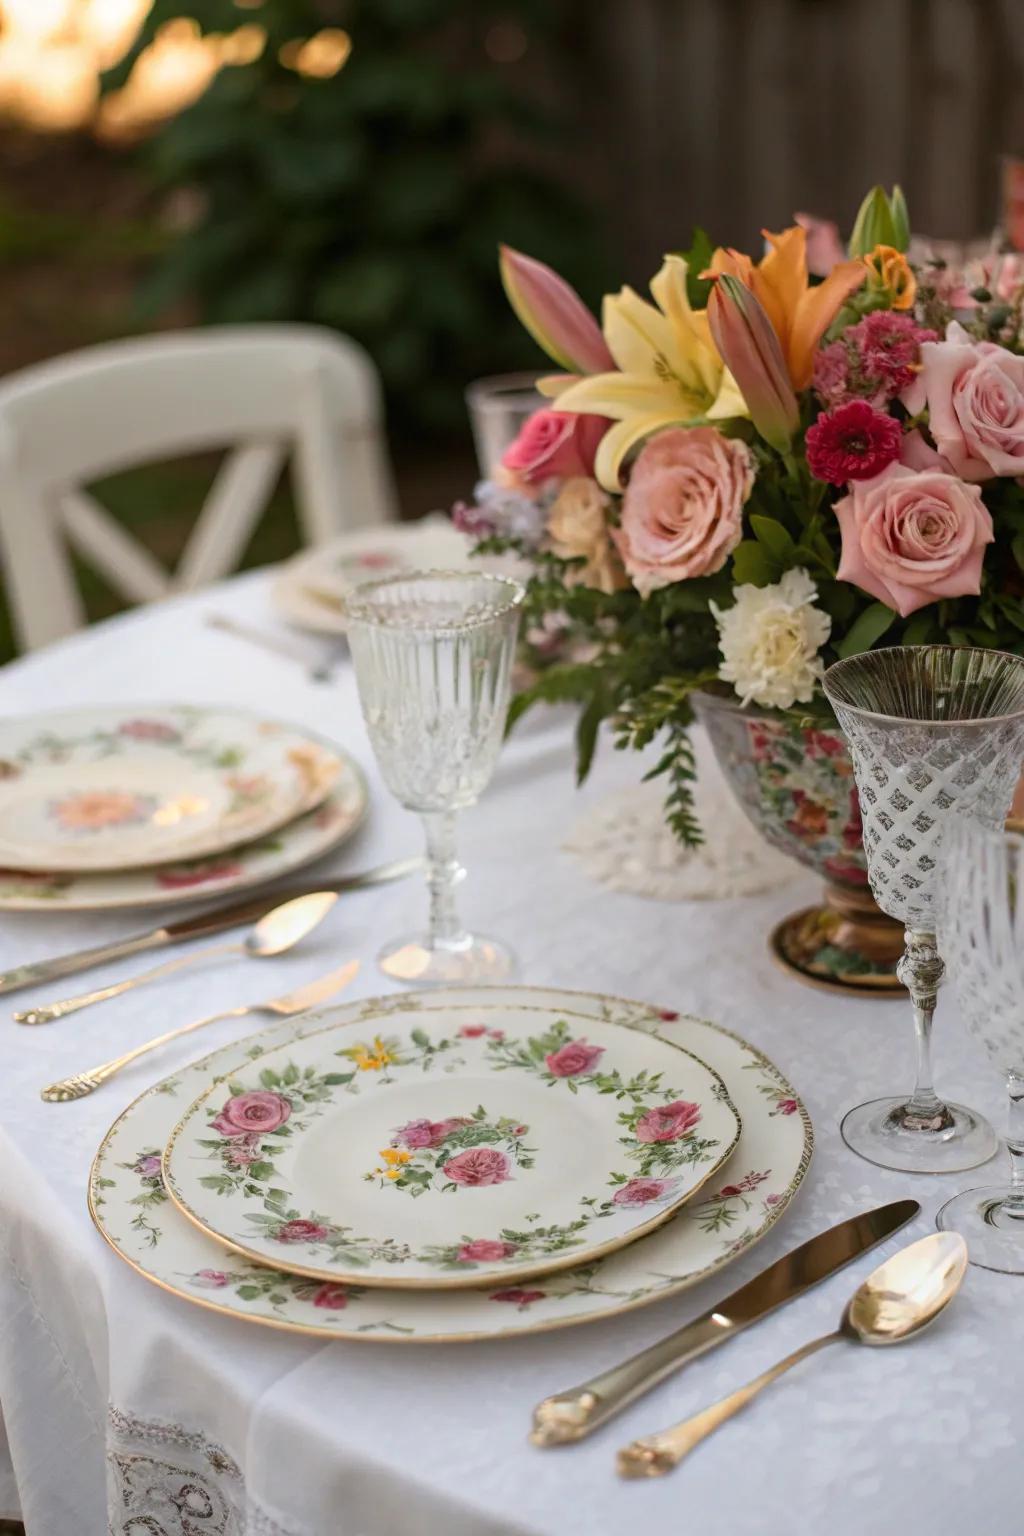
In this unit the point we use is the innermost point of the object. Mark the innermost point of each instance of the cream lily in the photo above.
(670, 372)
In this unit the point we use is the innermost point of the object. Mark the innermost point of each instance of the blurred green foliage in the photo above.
(374, 201)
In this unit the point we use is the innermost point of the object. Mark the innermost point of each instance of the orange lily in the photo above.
(800, 315)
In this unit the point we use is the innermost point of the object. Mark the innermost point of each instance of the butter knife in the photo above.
(574, 1414)
(216, 920)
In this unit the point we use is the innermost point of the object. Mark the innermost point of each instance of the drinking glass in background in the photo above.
(498, 407)
(933, 730)
(981, 930)
(433, 655)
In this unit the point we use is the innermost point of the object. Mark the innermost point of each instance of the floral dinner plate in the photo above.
(237, 869)
(123, 787)
(132, 1211)
(441, 1151)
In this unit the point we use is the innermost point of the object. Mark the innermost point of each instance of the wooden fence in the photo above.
(736, 113)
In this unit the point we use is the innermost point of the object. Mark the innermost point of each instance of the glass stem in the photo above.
(921, 971)
(1014, 1203)
(444, 873)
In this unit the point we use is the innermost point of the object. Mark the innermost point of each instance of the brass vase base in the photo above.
(846, 945)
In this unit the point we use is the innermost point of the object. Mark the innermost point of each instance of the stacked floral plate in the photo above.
(129, 806)
(458, 1164)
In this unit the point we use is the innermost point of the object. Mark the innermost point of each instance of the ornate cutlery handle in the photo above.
(574, 1414)
(68, 1005)
(83, 1083)
(654, 1455)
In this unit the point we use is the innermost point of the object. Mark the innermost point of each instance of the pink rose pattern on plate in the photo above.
(661, 1133)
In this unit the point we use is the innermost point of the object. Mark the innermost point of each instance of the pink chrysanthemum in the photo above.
(853, 442)
(889, 345)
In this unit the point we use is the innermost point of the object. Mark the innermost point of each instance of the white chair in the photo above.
(269, 391)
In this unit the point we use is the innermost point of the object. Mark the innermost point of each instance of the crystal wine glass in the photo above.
(931, 729)
(433, 656)
(981, 928)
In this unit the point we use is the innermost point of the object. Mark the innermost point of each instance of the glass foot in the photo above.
(994, 1237)
(471, 959)
(962, 1139)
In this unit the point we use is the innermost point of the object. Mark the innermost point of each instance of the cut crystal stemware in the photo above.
(932, 730)
(981, 929)
(433, 656)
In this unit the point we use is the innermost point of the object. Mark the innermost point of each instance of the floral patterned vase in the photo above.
(796, 785)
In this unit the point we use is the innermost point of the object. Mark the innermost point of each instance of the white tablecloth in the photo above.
(129, 1411)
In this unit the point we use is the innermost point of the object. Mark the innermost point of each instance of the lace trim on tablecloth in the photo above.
(623, 843)
(165, 1480)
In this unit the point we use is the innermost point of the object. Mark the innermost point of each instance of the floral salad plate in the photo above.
(749, 1194)
(442, 1151)
(197, 879)
(119, 788)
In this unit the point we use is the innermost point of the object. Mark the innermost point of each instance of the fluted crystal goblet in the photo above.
(933, 730)
(981, 930)
(433, 655)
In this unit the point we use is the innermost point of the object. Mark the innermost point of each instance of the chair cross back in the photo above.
(274, 392)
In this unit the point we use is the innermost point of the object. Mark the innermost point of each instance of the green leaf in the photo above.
(919, 630)
(261, 1170)
(248, 1292)
(698, 259)
(868, 627)
(587, 728)
(420, 1037)
(335, 1079)
(269, 1079)
(752, 565)
(774, 537)
(1018, 549)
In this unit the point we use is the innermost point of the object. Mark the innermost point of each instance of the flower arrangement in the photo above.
(774, 464)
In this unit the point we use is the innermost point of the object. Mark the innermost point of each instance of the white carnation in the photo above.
(770, 639)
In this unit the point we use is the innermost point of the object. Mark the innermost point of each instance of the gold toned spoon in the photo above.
(896, 1301)
(276, 931)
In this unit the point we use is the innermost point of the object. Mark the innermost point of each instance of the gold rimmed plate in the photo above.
(442, 1153)
(134, 1214)
(121, 787)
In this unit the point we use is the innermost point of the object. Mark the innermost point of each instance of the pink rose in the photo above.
(574, 1058)
(518, 1296)
(683, 508)
(210, 1279)
(148, 1165)
(911, 537)
(485, 1250)
(975, 397)
(772, 1199)
(418, 1133)
(729, 1192)
(473, 1031)
(333, 1297)
(643, 1192)
(555, 445)
(300, 1232)
(477, 1167)
(259, 1111)
(668, 1122)
(786, 1106)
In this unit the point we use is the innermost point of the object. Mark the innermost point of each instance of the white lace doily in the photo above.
(624, 843)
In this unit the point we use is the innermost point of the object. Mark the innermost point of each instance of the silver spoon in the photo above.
(277, 930)
(896, 1301)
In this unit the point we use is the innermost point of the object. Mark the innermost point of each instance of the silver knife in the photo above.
(573, 1415)
(214, 921)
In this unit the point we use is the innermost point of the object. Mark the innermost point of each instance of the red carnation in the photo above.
(889, 345)
(853, 442)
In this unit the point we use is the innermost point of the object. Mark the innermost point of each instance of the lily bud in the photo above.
(750, 350)
(554, 314)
